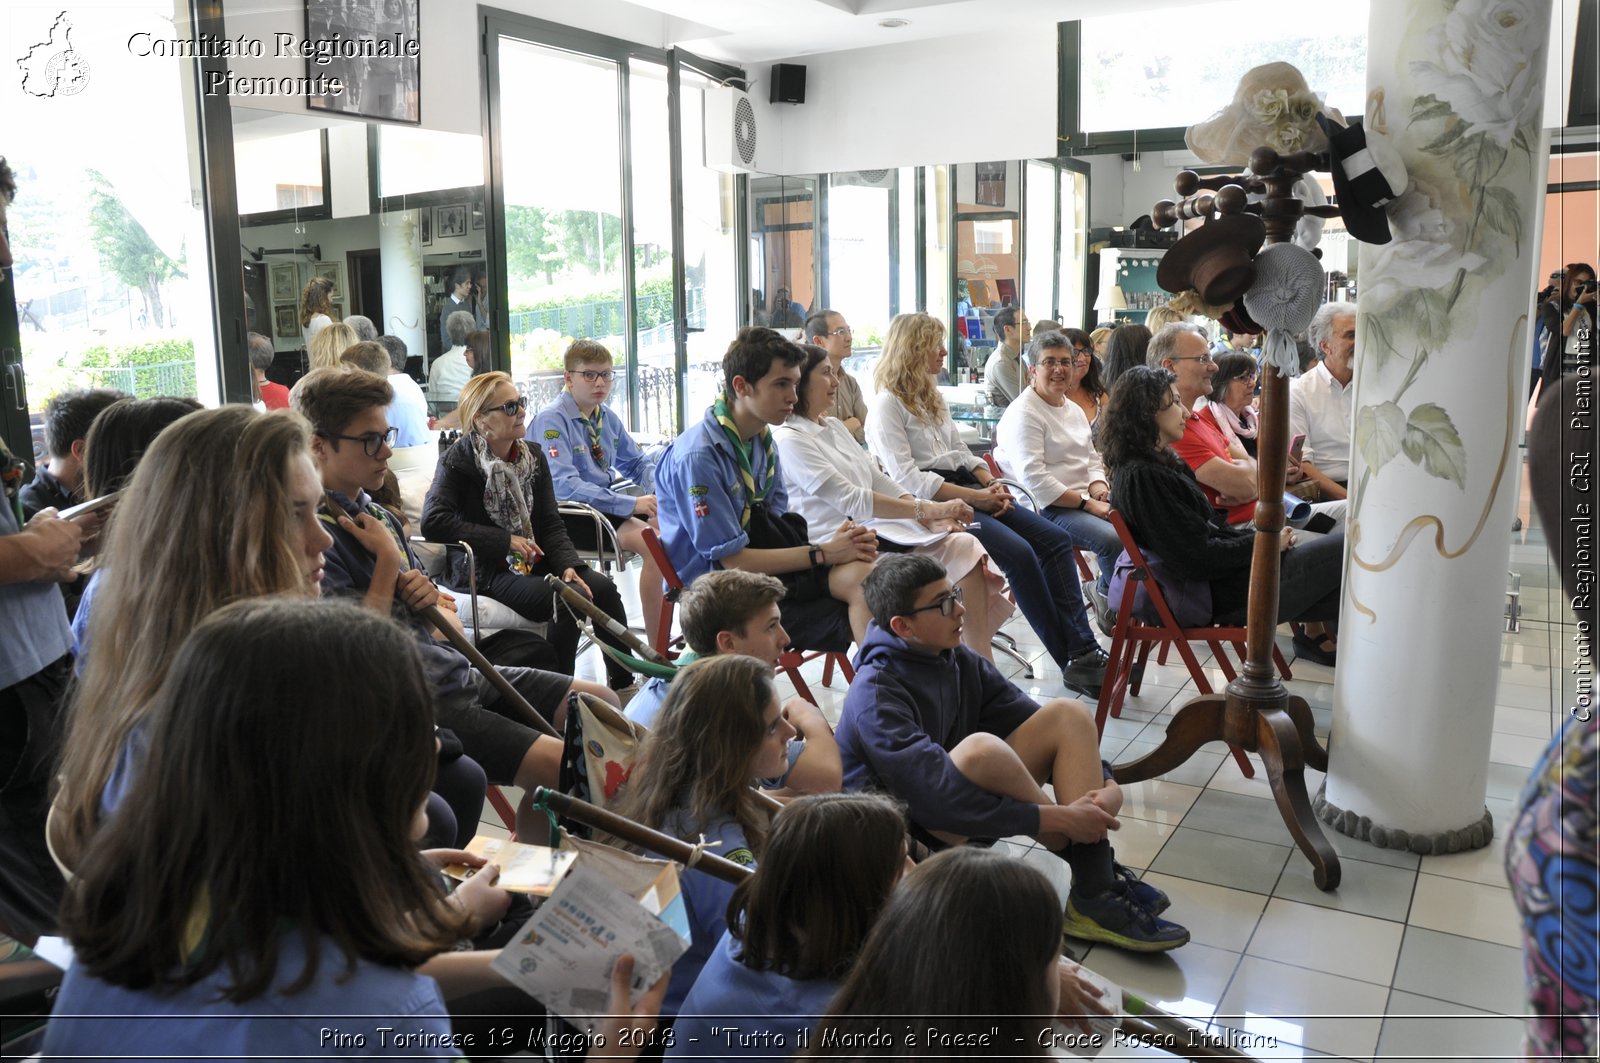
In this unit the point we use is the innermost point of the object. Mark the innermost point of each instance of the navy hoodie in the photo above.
(906, 709)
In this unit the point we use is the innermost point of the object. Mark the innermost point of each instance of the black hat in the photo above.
(1367, 173)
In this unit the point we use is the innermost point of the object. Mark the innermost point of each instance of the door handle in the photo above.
(14, 382)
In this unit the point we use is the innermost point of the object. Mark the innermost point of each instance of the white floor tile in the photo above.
(1306, 1008)
(1523, 751)
(1157, 800)
(1339, 943)
(1486, 865)
(1470, 909)
(1189, 981)
(1215, 915)
(1139, 840)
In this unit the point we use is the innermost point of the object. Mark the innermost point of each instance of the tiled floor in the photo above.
(1412, 957)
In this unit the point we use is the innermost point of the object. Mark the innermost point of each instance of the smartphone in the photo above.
(83, 509)
(1297, 446)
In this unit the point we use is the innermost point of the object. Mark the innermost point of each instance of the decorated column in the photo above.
(1442, 330)
(403, 300)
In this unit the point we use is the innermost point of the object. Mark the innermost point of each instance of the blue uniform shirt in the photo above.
(700, 497)
(771, 1011)
(563, 434)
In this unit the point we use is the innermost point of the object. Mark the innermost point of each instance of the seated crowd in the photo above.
(255, 791)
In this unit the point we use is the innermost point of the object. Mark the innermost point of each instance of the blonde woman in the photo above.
(910, 430)
(329, 344)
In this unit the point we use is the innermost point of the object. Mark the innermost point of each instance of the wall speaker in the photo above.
(788, 83)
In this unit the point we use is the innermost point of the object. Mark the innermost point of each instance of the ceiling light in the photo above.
(894, 23)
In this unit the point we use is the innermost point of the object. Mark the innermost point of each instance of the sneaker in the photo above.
(1105, 617)
(1086, 672)
(1152, 899)
(1115, 918)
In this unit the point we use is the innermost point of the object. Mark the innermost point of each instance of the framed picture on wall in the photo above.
(338, 311)
(478, 214)
(286, 321)
(425, 226)
(285, 283)
(991, 184)
(451, 220)
(384, 85)
(334, 271)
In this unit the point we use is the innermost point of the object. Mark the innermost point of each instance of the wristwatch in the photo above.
(816, 556)
(1083, 500)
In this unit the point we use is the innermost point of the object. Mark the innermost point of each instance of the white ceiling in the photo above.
(749, 31)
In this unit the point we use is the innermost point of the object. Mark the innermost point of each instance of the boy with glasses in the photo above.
(935, 725)
(589, 450)
(370, 559)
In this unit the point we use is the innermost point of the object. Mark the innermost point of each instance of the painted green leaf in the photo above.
(1432, 317)
(1381, 346)
(1451, 134)
(1431, 441)
(1428, 106)
(1520, 140)
(1379, 433)
(1502, 211)
(1478, 158)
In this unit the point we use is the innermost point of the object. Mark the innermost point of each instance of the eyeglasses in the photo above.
(510, 409)
(842, 330)
(591, 375)
(1050, 365)
(371, 442)
(1086, 351)
(946, 604)
(1191, 358)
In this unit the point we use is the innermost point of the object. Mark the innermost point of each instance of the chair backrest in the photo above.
(1143, 575)
(994, 466)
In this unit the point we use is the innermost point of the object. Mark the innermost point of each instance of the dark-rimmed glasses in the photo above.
(592, 375)
(945, 603)
(510, 409)
(371, 442)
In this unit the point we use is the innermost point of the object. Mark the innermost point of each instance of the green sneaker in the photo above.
(1115, 918)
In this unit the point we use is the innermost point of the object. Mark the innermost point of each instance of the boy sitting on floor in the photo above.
(938, 727)
(737, 612)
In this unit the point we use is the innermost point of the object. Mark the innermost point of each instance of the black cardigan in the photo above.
(1169, 515)
(454, 511)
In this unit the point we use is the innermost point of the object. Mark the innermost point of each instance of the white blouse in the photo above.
(830, 479)
(908, 445)
(1048, 449)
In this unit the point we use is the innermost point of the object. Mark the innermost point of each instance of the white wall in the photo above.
(917, 104)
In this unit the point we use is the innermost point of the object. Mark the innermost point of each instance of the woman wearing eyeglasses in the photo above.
(1085, 389)
(493, 490)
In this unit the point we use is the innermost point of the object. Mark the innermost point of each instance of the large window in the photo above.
(1132, 78)
(112, 271)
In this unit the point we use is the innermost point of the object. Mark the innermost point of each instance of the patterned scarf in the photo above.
(1228, 420)
(507, 485)
(596, 451)
(752, 492)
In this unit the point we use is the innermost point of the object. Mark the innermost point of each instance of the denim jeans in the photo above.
(1036, 557)
(1089, 532)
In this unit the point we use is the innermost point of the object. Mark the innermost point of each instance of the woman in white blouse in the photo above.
(830, 479)
(910, 430)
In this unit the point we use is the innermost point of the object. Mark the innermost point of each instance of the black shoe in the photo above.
(1086, 672)
(1154, 900)
(1115, 918)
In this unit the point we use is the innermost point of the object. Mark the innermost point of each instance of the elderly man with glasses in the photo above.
(829, 330)
(1044, 443)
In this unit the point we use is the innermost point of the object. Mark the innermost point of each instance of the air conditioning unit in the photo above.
(865, 178)
(730, 131)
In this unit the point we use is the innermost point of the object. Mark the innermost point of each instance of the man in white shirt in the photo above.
(452, 369)
(1003, 375)
(1320, 401)
(829, 330)
(408, 413)
(1043, 442)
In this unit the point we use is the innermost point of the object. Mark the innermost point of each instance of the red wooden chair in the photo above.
(791, 660)
(1131, 635)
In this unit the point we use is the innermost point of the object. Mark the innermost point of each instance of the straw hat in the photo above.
(1273, 106)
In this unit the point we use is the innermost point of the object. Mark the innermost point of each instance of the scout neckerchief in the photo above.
(741, 451)
(596, 451)
(330, 509)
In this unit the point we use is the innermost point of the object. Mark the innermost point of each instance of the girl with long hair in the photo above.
(934, 952)
(719, 730)
(796, 924)
(316, 307)
(1125, 349)
(207, 920)
(911, 432)
(1085, 388)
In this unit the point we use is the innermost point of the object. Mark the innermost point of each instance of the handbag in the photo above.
(963, 477)
(1189, 599)
(769, 532)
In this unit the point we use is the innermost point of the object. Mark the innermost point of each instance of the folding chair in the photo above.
(791, 660)
(1124, 673)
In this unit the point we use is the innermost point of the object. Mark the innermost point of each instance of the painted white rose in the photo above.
(1490, 54)
(1425, 252)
